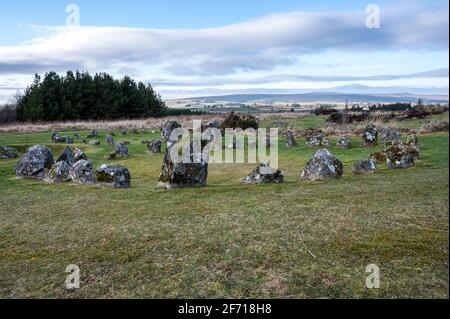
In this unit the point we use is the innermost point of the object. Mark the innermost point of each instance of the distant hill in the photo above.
(322, 97)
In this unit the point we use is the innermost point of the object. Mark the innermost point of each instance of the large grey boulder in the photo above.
(264, 174)
(34, 162)
(82, 172)
(389, 134)
(364, 166)
(8, 152)
(154, 146)
(290, 139)
(67, 156)
(113, 175)
(59, 172)
(167, 127)
(177, 175)
(370, 136)
(344, 142)
(322, 165)
(398, 155)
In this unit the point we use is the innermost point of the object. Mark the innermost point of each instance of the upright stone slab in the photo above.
(154, 147)
(167, 127)
(67, 156)
(113, 175)
(59, 173)
(398, 155)
(78, 154)
(370, 136)
(122, 149)
(412, 143)
(82, 172)
(109, 140)
(264, 174)
(34, 162)
(290, 139)
(322, 165)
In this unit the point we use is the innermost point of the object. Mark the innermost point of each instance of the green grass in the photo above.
(293, 240)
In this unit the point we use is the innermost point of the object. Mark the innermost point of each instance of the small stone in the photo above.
(34, 162)
(123, 131)
(82, 172)
(109, 140)
(58, 173)
(344, 142)
(317, 140)
(154, 146)
(322, 165)
(364, 166)
(8, 152)
(94, 142)
(290, 139)
(113, 175)
(92, 134)
(264, 174)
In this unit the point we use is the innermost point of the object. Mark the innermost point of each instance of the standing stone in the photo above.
(67, 156)
(8, 152)
(344, 142)
(389, 134)
(167, 128)
(78, 154)
(109, 140)
(92, 134)
(210, 124)
(364, 166)
(34, 162)
(113, 175)
(122, 149)
(412, 144)
(370, 136)
(322, 165)
(154, 147)
(124, 131)
(58, 173)
(82, 172)
(176, 175)
(290, 140)
(398, 155)
(264, 174)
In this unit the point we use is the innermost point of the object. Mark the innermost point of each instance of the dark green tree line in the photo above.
(80, 96)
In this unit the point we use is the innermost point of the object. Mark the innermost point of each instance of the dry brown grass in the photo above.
(435, 126)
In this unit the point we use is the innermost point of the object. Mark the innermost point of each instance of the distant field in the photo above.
(294, 240)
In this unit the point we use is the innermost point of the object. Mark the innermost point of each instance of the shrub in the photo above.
(243, 121)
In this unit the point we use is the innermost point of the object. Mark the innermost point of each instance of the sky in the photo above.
(198, 48)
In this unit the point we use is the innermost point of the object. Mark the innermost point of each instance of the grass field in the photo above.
(292, 240)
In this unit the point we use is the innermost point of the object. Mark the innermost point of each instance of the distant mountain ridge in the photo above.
(337, 97)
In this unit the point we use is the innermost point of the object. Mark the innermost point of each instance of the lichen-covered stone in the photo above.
(344, 142)
(177, 175)
(378, 157)
(113, 175)
(34, 162)
(412, 143)
(290, 139)
(322, 165)
(82, 172)
(92, 134)
(370, 136)
(109, 140)
(364, 166)
(8, 152)
(167, 128)
(154, 146)
(78, 154)
(398, 155)
(389, 134)
(317, 140)
(122, 149)
(59, 172)
(123, 131)
(56, 138)
(67, 156)
(264, 174)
